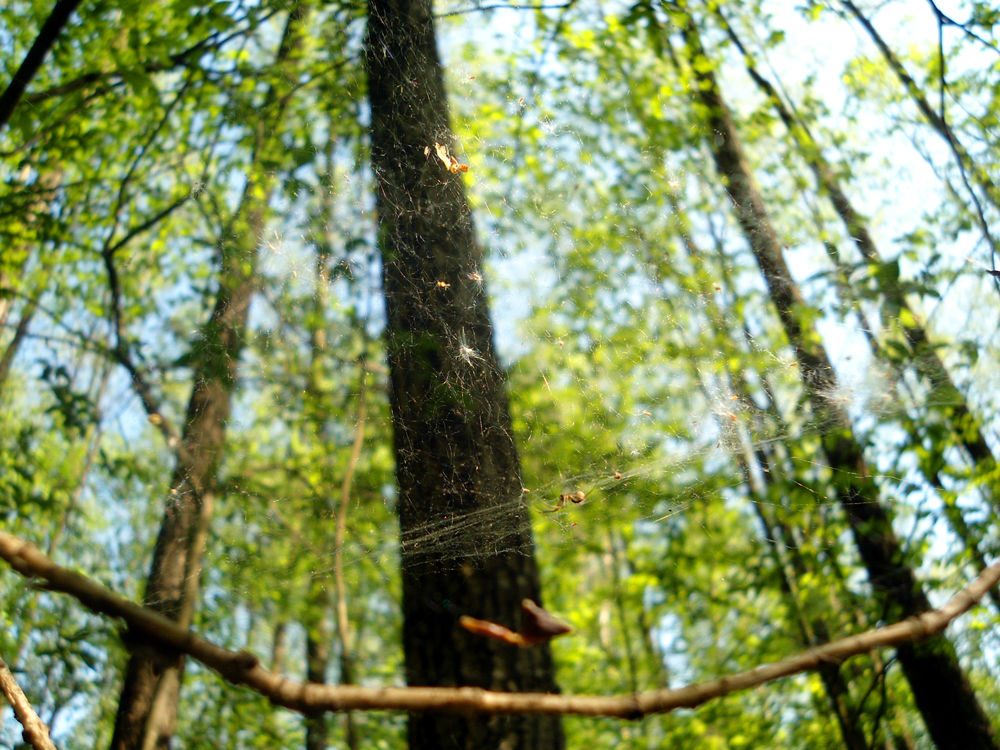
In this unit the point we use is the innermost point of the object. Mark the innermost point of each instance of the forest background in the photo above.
(740, 258)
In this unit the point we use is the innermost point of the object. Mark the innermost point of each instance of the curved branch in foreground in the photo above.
(242, 667)
(35, 733)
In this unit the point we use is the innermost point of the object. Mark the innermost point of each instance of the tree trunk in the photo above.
(317, 658)
(20, 332)
(466, 540)
(147, 709)
(943, 695)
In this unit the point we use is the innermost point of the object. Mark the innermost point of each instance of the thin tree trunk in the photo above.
(14, 261)
(466, 540)
(317, 659)
(964, 426)
(318, 651)
(942, 692)
(20, 331)
(975, 541)
(612, 560)
(813, 631)
(316, 620)
(344, 634)
(147, 709)
(966, 164)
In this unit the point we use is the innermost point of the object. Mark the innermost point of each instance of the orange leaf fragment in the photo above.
(537, 626)
(449, 161)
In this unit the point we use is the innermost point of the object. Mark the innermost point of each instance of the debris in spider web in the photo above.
(537, 626)
(449, 161)
(571, 497)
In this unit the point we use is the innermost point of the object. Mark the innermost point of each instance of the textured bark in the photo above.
(465, 534)
(942, 692)
(147, 709)
(317, 658)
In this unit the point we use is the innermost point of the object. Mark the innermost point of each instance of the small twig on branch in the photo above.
(35, 733)
(242, 668)
(504, 6)
(945, 20)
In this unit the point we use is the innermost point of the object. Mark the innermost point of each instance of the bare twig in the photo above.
(243, 668)
(35, 732)
(945, 20)
(503, 6)
(967, 167)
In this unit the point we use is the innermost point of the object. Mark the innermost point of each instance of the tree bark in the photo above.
(147, 709)
(466, 540)
(942, 692)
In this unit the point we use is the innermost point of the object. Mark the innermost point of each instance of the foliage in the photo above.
(646, 366)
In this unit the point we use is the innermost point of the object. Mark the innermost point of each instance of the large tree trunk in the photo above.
(943, 695)
(465, 533)
(147, 709)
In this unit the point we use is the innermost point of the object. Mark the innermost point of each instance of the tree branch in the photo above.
(36, 55)
(945, 20)
(213, 42)
(35, 732)
(242, 667)
(122, 353)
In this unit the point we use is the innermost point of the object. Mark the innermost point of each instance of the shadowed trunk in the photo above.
(466, 540)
